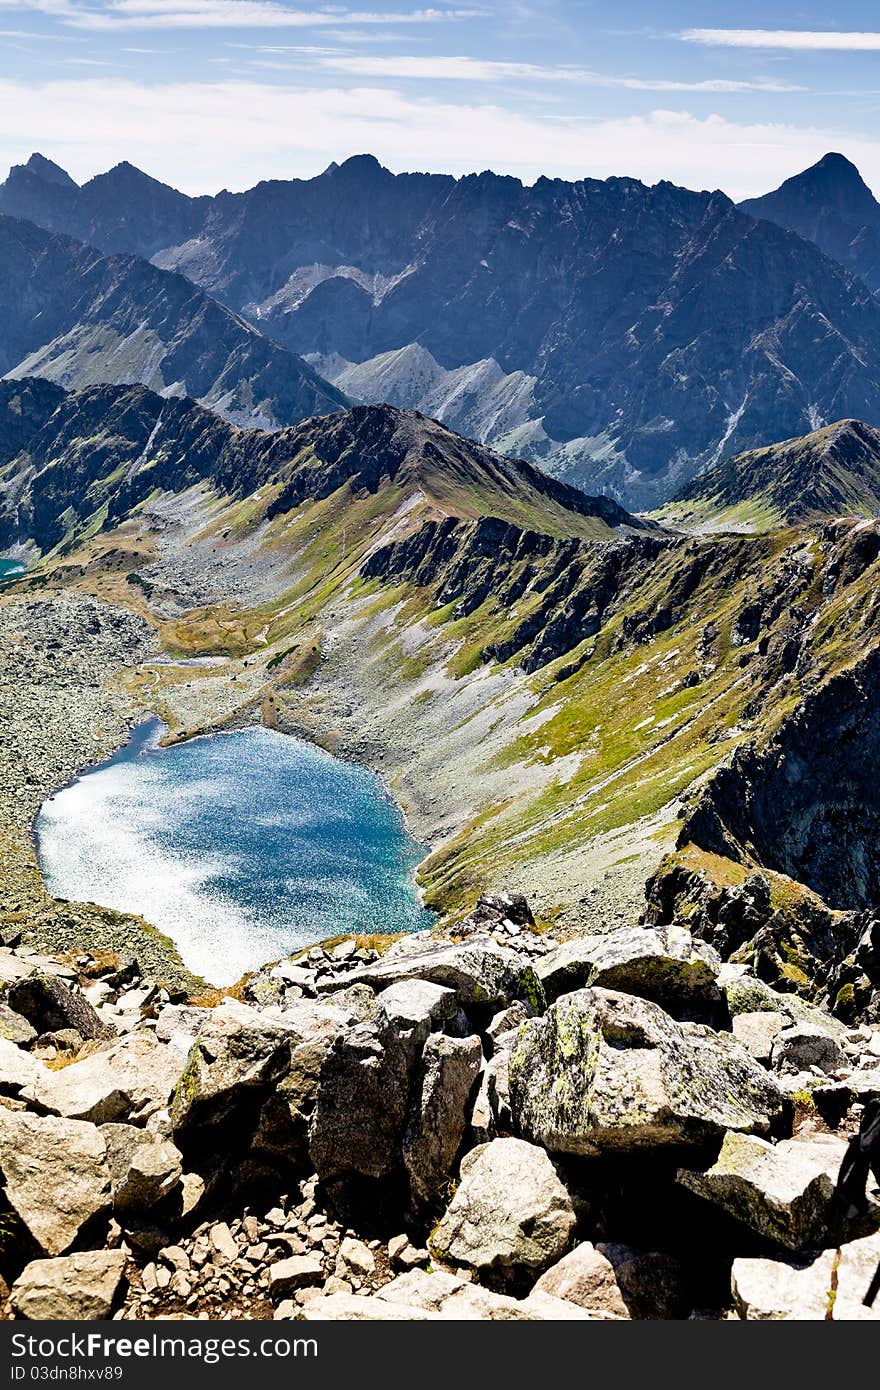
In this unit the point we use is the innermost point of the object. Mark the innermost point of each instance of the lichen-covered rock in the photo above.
(783, 1191)
(803, 1046)
(15, 1028)
(481, 973)
(449, 1067)
(55, 1175)
(603, 1072)
(744, 993)
(78, 1287)
(619, 1282)
(511, 1214)
(128, 1081)
(238, 1056)
(665, 964)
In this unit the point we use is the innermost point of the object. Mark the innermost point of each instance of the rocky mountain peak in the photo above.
(48, 170)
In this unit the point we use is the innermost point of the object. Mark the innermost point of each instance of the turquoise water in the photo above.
(239, 846)
(10, 567)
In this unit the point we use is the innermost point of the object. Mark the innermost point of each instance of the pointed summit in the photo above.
(830, 204)
(49, 171)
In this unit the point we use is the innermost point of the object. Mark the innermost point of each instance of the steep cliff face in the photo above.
(644, 332)
(808, 803)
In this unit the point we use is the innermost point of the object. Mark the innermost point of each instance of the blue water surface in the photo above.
(239, 846)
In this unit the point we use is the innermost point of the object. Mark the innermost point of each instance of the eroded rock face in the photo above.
(603, 1072)
(511, 1214)
(54, 1175)
(49, 1005)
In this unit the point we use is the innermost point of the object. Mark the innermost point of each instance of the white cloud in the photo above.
(796, 39)
(232, 14)
(464, 69)
(239, 132)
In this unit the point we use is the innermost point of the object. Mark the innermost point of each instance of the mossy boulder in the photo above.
(665, 964)
(605, 1073)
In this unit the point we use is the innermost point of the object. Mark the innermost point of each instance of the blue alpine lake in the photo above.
(239, 846)
(9, 568)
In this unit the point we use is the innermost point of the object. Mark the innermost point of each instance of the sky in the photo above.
(211, 94)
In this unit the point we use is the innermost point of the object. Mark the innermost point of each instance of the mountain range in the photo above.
(831, 472)
(830, 204)
(626, 337)
(73, 463)
(75, 316)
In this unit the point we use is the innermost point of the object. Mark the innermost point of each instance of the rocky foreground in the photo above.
(486, 1125)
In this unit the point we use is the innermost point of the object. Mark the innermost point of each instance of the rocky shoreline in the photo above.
(63, 708)
(485, 1124)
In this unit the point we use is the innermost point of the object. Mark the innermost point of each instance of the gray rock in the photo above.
(803, 1046)
(238, 1056)
(744, 993)
(417, 1005)
(55, 1175)
(357, 1256)
(783, 1290)
(49, 1004)
(296, 1272)
(783, 1191)
(360, 1108)
(80, 1287)
(491, 1115)
(480, 972)
(857, 1265)
(450, 1066)
(665, 964)
(351, 1307)
(603, 1072)
(757, 1030)
(282, 1134)
(510, 1215)
(18, 1069)
(147, 1174)
(508, 1020)
(15, 1028)
(129, 1080)
(619, 1282)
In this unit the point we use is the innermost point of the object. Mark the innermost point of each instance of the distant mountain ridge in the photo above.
(77, 317)
(70, 461)
(625, 337)
(832, 472)
(830, 204)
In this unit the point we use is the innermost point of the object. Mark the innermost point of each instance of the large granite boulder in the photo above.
(450, 1067)
(15, 1028)
(665, 964)
(238, 1056)
(144, 1169)
(79, 1287)
(127, 1081)
(360, 1107)
(482, 973)
(783, 1191)
(55, 1175)
(604, 1073)
(619, 1282)
(511, 1214)
(803, 1046)
(784, 1290)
